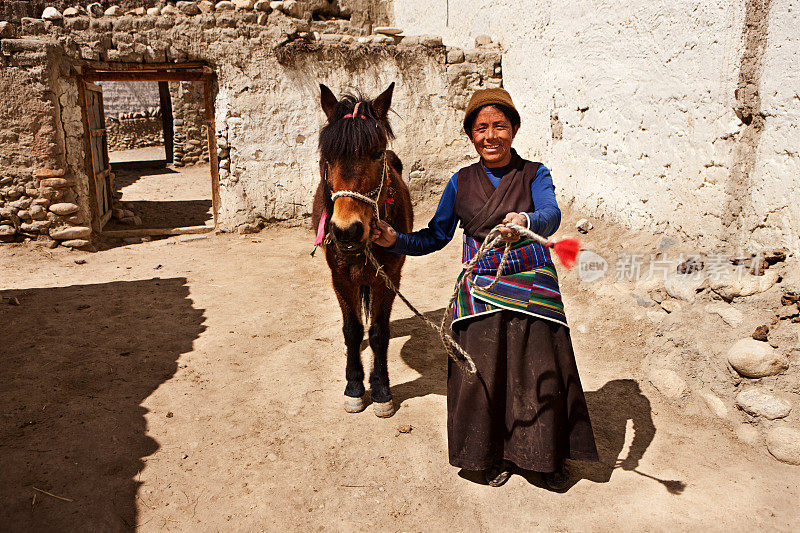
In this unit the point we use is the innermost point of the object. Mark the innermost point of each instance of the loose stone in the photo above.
(730, 287)
(244, 4)
(729, 314)
(684, 287)
(55, 182)
(783, 443)
(583, 225)
(262, 5)
(387, 30)
(64, 209)
(714, 404)
(747, 433)
(758, 402)
(37, 212)
(483, 40)
(668, 382)
(75, 243)
(95, 9)
(756, 359)
(69, 233)
(188, 8)
(225, 5)
(48, 173)
(113, 11)
(153, 11)
(51, 13)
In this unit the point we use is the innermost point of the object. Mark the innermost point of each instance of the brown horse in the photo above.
(361, 179)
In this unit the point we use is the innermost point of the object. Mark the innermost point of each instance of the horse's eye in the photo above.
(377, 155)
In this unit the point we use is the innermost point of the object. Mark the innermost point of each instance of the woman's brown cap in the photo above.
(484, 97)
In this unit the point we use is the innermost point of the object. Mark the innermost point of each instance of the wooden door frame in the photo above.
(191, 71)
(99, 219)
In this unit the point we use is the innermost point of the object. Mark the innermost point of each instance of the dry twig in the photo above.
(51, 494)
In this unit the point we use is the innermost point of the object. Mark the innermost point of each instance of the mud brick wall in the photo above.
(663, 116)
(267, 61)
(38, 195)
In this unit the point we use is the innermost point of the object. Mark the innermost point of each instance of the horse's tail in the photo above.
(366, 301)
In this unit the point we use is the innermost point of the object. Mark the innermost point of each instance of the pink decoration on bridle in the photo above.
(355, 114)
(321, 228)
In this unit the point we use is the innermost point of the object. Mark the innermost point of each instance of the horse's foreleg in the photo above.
(382, 299)
(353, 330)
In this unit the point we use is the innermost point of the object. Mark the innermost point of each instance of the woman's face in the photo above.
(492, 135)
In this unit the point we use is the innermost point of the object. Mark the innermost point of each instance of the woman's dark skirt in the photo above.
(525, 405)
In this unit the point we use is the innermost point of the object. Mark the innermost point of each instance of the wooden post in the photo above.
(165, 102)
(208, 81)
(94, 209)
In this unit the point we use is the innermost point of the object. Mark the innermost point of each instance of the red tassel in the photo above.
(566, 250)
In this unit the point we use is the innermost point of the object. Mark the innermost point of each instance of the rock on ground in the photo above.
(747, 433)
(714, 404)
(758, 402)
(583, 225)
(668, 382)
(784, 444)
(684, 287)
(756, 359)
(730, 287)
(729, 314)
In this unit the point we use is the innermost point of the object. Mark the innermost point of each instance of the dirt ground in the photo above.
(195, 384)
(163, 197)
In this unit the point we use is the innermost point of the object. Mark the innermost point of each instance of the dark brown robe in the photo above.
(526, 404)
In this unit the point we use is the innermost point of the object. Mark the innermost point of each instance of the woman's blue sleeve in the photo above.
(547, 217)
(440, 229)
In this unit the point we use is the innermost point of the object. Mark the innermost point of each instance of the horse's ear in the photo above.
(328, 101)
(383, 102)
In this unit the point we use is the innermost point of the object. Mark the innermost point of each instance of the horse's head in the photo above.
(354, 167)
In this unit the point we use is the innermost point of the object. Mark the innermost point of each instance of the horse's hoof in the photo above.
(383, 409)
(353, 405)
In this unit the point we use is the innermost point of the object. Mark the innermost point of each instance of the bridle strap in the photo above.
(366, 198)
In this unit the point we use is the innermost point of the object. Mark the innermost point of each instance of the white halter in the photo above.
(371, 197)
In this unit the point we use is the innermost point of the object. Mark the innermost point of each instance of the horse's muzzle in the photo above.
(349, 240)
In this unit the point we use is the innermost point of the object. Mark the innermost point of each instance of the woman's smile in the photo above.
(492, 135)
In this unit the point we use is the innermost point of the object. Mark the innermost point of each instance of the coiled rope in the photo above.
(492, 240)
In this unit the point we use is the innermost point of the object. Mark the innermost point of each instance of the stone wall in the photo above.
(136, 130)
(268, 65)
(38, 192)
(189, 123)
(667, 117)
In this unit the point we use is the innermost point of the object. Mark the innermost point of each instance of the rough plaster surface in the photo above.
(266, 97)
(653, 113)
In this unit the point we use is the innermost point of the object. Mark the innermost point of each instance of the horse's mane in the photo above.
(359, 137)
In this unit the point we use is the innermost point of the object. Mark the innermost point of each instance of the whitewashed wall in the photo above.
(644, 95)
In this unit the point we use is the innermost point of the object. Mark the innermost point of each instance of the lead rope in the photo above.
(465, 361)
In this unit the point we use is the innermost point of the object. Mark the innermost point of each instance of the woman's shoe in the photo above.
(558, 480)
(498, 473)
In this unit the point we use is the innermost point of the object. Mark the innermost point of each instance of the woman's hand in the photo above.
(383, 234)
(515, 218)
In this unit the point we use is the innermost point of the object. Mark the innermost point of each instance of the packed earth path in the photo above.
(195, 384)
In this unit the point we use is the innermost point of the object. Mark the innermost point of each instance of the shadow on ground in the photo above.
(77, 363)
(166, 214)
(423, 352)
(610, 408)
(126, 174)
